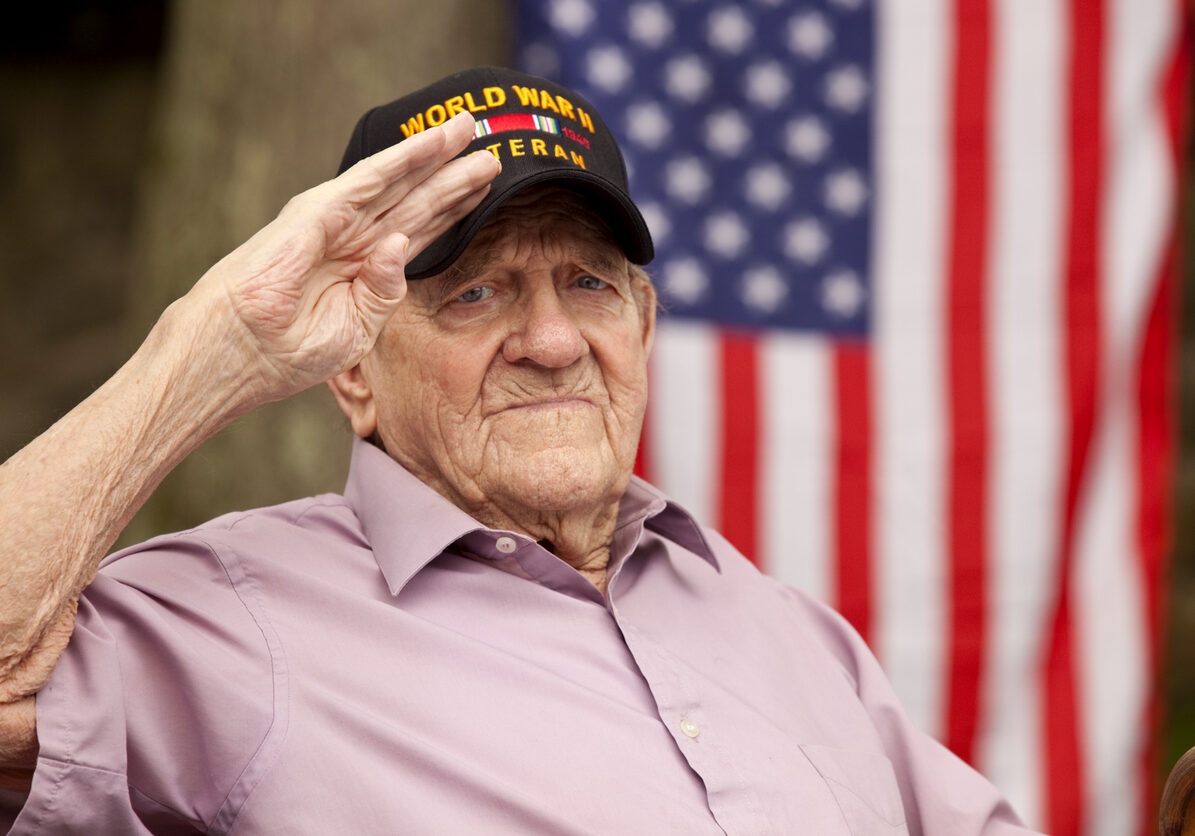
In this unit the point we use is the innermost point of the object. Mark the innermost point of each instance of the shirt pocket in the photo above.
(864, 785)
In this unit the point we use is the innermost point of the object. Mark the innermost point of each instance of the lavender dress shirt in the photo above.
(382, 663)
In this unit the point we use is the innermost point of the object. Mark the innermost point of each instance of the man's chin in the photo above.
(563, 479)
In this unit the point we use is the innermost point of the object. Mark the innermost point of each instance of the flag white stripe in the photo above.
(1024, 324)
(908, 261)
(1141, 180)
(797, 468)
(1111, 656)
(685, 421)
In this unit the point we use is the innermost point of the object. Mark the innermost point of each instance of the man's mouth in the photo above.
(551, 404)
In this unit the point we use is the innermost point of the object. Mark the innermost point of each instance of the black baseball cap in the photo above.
(540, 131)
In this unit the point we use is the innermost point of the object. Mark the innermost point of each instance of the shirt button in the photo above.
(506, 545)
(689, 728)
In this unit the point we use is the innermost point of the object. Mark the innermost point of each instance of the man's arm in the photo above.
(301, 301)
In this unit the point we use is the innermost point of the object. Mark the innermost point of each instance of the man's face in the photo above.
(518, 378)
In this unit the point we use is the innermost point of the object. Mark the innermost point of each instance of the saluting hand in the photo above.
(307, 295)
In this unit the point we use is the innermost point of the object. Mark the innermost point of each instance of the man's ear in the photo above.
(648, 302)
(355, 398)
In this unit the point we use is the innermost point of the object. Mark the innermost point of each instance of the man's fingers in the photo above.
(440, 221)
(446, 183)
(443, 199)
(428, 209)
(443, 143)
(381, 283)
(377, 183)
(428, 182)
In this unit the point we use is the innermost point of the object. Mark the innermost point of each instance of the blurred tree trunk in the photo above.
(256, 104)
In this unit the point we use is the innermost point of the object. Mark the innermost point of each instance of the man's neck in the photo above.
(580, 539)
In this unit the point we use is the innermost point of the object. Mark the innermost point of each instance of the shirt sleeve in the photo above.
(159, 715)
(942, 795)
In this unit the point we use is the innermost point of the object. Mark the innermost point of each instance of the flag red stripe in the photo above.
(1155, 453)
(1156, 403)
(852, 488)
(966, 374)
(738, 503)
(1082, 345)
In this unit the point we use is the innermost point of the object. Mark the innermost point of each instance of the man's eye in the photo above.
(476, 294)
(591, 283)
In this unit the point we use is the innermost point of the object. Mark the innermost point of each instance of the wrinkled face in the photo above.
(518, 378)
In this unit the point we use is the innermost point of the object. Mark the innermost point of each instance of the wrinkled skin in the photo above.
(514, 383)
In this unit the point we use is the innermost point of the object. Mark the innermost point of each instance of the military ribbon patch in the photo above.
(515, 122)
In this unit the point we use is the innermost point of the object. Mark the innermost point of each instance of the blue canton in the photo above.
(747, 130)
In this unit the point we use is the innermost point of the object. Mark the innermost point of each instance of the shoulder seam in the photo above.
(268, 749)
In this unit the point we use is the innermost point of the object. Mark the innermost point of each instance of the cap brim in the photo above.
(628, 227)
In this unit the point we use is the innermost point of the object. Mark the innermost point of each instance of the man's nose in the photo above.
(545, 332)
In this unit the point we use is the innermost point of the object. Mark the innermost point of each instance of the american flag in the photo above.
(917, 261)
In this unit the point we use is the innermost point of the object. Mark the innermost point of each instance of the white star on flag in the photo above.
(764, 289)
(805, 240)
(727, 133)
(688, 179)
(650, 24)
(572, 16)
(685, 280)
(842, 293)
(846, 88)
(726, 234)
(807, 139)
(648, 124)
(767, 84)
(609, 68)
(729, 29)
(846, 192)
(656, 219)
(767, 186)
(809, 36)
(687, 78)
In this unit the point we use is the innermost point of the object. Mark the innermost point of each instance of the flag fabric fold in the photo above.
(917, 265)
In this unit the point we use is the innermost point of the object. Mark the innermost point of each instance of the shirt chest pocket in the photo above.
(864, 785)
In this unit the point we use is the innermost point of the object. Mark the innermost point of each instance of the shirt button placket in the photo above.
(689, 728)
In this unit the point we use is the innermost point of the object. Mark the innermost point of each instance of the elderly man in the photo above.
(496, 628)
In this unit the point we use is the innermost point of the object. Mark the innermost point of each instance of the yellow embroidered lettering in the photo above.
(539, 148)
(585, 119)
(516, 148)
(560, 152)
(493, 149)
(494, 96)
(455, 105)
(565, 107)
(527, 96)
(413, 126)
(578, 159)
(547, 102)
(472, 105)
(436, 115)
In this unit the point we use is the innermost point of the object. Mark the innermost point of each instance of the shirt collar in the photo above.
(644, 501)
(408, 524)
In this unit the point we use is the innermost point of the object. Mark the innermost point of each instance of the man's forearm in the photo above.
(300, 302)
(65, 498)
